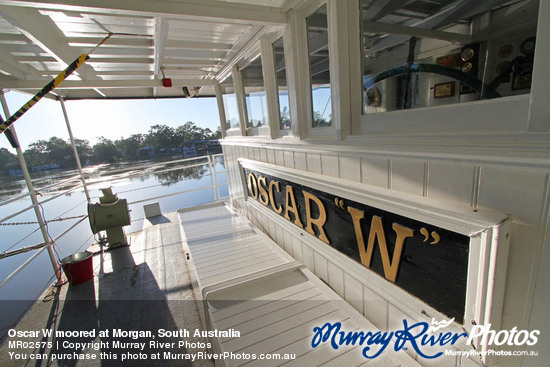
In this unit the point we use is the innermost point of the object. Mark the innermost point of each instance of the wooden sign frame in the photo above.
(488, 233)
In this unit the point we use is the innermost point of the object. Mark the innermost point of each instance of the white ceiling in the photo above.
(188, 41)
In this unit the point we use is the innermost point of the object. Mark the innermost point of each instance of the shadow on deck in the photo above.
(115, 319)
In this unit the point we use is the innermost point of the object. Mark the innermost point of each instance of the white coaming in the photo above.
(515, 184)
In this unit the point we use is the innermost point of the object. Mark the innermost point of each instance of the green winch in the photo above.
(110, 215)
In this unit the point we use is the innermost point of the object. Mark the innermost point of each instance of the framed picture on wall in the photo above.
(444, 90)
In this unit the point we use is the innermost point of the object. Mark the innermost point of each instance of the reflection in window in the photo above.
(317, 44)
(230, 103)
(254, 91)
(280, 70)
(402, 71)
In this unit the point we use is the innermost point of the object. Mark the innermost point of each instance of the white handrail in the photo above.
(22, 266)
(42, 202)
(21, 196)
(39, 251)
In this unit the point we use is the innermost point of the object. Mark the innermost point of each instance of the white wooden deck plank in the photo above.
(299, 335)
(244, 263)
(198, 231)
(302, 350)
(387, 360)
(231, 248)
(209, 262)
(208, 216)
(278, 327)
(221, 236)
(351, 358)
(224, 274)
(268, 288)
(275, 313)
(261, 317)
(288, 294)
(222, 217)
(322, 354)
(245, 260)
(205, 219)
(231, 255)
(263, 308)
(226, 249)
(218, 226)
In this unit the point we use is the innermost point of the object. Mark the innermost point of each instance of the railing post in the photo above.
(32, 194)
(221, 109)
(209, 157)
(77, 158)
(216, 176)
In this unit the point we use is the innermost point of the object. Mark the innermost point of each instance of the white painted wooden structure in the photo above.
(486, 155)
(244, 281)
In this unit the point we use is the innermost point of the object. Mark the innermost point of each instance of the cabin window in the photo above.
(424, 54)
(254, 91)
(317, 45)
(282, 86)
(230, 103)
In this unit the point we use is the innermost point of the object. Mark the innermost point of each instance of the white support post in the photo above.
(338, 43)
(210, 166)
(77, 158)
(270, 85)
(221, 108)
(298, 82)
(241, 100)
(355, 69)
(32, 194)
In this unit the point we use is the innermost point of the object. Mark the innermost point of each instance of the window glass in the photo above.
(317, 44)
(230, 103)
(282, 88)
(423, 54)
(254, 91)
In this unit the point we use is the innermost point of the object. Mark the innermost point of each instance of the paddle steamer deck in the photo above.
(145, 303)
(142, 287)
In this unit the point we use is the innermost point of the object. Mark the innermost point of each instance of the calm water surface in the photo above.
(134, 182)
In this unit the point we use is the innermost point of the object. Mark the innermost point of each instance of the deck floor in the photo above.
(143, 287)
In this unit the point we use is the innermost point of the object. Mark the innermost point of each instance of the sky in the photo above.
(112, 119)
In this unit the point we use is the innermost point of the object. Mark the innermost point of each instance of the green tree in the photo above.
(129, 147)
(58, 151)
(36, 153)
(161, 137)
(84, 149)
(105, 151)
(8, 161)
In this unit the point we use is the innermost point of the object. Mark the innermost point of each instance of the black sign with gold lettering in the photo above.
(427, 261)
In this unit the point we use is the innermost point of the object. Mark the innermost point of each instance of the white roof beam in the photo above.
(88, 84)
(147, 73)
(198, 45)
(114, 41)
(189, 62)
(42, 31)
(120, 60)
(10, 64)
(211, 9)
(185, 53)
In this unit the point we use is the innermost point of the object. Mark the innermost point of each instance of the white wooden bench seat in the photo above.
(246, 282)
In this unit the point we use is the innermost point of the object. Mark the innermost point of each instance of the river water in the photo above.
(134, 182)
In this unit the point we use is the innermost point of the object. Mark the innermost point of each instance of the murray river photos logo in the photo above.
(418, 336)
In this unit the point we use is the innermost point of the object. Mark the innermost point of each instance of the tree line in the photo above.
(161, 140)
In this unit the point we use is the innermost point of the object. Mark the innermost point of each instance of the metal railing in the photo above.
(136, 171)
